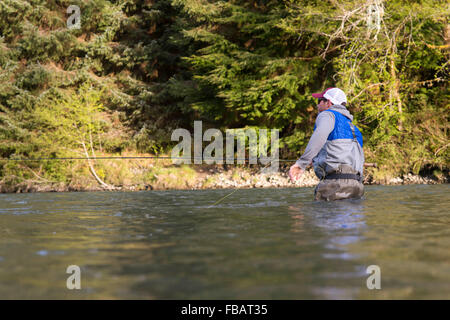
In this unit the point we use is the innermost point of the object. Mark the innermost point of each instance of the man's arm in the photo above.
(324, 126)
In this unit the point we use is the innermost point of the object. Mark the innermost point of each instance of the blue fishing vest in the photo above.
(342, 150)
(343, 128)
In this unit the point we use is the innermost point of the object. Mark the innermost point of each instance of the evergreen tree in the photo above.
(162, 64)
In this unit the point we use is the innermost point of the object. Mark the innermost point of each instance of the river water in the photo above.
(254, 244)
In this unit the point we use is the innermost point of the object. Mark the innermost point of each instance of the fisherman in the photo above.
(335, 149)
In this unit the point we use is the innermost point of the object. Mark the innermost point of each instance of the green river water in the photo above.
(255, 244)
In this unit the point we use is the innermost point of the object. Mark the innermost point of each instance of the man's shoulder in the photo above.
(325, 121)
(325, 115)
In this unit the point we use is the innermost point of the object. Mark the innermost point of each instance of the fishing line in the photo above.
(228, 194)
(146, 157)
(157, 158)
(222, 198)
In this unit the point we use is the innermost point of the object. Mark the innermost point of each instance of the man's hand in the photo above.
(295, 172)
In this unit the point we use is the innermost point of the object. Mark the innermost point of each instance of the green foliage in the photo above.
(137, 70)
(260, 62)
(70, 121)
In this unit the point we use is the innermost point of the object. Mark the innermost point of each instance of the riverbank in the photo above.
(139, 175)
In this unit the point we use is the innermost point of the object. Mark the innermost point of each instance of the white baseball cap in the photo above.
(335, 95)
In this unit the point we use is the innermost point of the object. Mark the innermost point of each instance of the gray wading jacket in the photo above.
(330, 151)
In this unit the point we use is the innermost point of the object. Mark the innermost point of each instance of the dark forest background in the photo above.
(137, 70)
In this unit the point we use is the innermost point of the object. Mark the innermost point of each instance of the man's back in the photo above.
(343, 147)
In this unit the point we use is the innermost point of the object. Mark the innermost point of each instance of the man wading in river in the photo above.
(335, 149)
